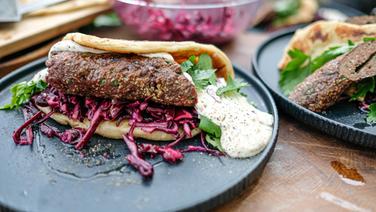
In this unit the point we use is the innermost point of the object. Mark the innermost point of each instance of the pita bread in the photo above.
(321, 35)
(109, 129)
(180, 51)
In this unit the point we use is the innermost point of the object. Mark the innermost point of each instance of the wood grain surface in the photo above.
(309, 171)
(33, 30)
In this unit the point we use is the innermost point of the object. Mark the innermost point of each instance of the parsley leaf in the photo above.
(362, 88)
(283, 9)
(231, 86)
(301, 65)
(22, 92)
(368, 39)
(202, 73)
(214, 141)
(213, 132)
(294, 73)
(209, 127)
(371, 117)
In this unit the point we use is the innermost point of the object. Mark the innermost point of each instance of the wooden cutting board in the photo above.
(33, 30)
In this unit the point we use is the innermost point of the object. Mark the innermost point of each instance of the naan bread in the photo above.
(321, 35)
(109, 129)
(180, 51)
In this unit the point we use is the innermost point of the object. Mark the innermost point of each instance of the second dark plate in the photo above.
(343, 120)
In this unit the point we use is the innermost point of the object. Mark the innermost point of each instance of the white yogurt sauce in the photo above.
(245, 129)
(69, 45)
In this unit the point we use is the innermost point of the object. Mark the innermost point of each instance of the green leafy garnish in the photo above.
(371, 117)
(213, 132)
(362, 88)
(209, 127)
(202, 72)
(108, 20)
(231, 86)
(214, 141)
(22, 92)
(301, 65)
(368, 39)
(294, 72)
(285, 8)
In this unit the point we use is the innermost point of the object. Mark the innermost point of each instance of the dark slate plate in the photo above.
(343, 120)
(51, 176)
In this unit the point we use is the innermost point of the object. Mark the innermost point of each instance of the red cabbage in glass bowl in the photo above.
(207, 21)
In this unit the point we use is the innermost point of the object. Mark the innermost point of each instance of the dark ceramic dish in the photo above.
(52, 176)
(343, 120)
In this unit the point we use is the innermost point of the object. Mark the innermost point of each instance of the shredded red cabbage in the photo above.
(144, 115)
(211, 26)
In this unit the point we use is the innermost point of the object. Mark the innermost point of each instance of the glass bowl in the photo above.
(207, 21)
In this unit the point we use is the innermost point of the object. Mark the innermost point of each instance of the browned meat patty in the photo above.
(362, 20)
(120, 76)
(324, 87)
(360, 62)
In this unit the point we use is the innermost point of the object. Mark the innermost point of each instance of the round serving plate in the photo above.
(343, 120)
(52, 176)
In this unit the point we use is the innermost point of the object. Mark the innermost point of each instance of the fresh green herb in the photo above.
(329, 55)
(22, 92)
(202, 72)
(214, 141)
(213, 132)
(362, 88)
(301, 65)
(368, 39)
(284, 9)
(209, 127)
(108, 20)
(371, 116)
(204, 62)
(231, 86)
(294, 72)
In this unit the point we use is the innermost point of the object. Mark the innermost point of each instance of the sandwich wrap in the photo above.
(180, 51)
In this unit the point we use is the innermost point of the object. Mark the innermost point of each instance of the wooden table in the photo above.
(309, 170)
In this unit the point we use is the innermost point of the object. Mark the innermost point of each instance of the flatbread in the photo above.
(321, 35)
(109, 129)
(181, 51)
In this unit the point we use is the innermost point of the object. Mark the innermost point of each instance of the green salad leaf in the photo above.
(22, 92)
(202, 72)
(214, 141)
(209, 127)
(231, 86)
(371, 117)
(368, 39)
(213, 132)
(302, 65)
(362, 88)
(285, 8)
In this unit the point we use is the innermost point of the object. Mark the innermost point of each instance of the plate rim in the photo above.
(239, 184)
(334, 128)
